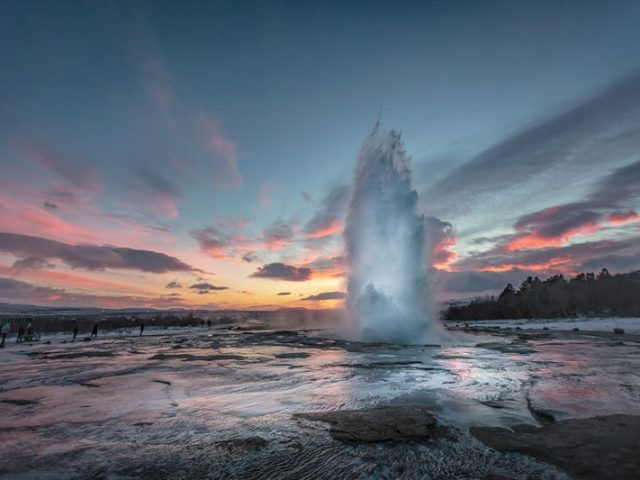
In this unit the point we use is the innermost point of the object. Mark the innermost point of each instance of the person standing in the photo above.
(20, 334)
(141, 328)
(5, 331)
(29, 336)
(75, 330)
(94, 332)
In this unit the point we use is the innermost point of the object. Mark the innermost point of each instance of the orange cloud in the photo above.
(442, 255)
(553, 264)
(532, 241)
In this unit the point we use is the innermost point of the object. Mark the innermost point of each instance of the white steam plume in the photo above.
(385, 240)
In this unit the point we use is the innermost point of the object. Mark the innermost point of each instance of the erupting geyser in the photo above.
(385, 237)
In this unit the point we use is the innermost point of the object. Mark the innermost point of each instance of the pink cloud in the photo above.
(620, 218)
(532, 241)
(67, 279)
(331, 227)
(553, 227)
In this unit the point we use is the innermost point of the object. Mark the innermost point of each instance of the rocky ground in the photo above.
(294, 404)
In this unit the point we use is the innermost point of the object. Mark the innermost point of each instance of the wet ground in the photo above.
(200, 403)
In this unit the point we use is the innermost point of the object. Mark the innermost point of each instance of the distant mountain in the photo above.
(26, 309)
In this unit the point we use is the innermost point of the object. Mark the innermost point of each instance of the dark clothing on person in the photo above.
(4, 330)
(208, 323)
(75, 332)
(141, 328)
(20, 337)
(29, 336)
(94, 332)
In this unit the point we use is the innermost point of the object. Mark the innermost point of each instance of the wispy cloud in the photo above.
(162, 193)
(329, 218)
(225, 154)
(604, 126)
(77, 173)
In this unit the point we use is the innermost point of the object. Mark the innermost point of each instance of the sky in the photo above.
(200, 154)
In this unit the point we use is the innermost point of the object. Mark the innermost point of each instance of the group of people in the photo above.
(28, 334)
(25, 334)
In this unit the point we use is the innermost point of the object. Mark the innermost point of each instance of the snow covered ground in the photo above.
(630, 325)
(200, 403)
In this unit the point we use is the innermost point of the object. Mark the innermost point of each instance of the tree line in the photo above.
(586, 294)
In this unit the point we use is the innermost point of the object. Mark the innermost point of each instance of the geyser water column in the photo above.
(385, 240)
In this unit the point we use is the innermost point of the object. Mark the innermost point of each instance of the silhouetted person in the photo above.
(20, 337)
(29, 336)
(208, 323)
(75, 330)
(5, 331)
(141, 328)
(202, 323)
(94, 332)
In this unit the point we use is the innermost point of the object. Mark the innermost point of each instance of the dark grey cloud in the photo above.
(250, 257)
(613, 263)
(50, 205)
(32, 263)
(16, 290)
(172, 295)
(326, 296)
(90, 257)
(281, 271)
(604, 126)
(332, 209)
(469, 284)
(204, 287)
(173, 284)
(282, 294)
(557, 221)
(619, 186)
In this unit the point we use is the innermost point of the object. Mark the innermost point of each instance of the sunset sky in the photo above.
(200, 154)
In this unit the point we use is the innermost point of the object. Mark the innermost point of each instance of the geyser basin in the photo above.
(385, 237)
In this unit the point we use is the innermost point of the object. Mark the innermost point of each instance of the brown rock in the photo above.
(597, 448)
(381, 424)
